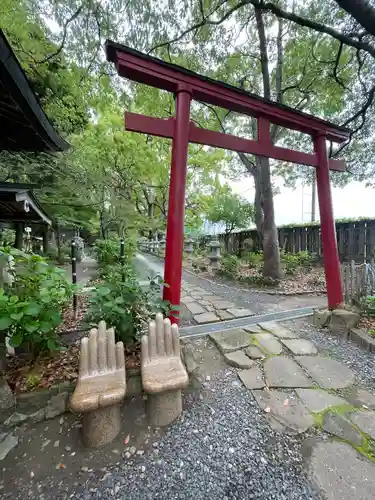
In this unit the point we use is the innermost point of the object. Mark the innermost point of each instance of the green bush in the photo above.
(305, 258)
(255, 259)
(290, 262)
(370, 305)
(229, 265)
(122, 304)
(107, 252)
(31, 306)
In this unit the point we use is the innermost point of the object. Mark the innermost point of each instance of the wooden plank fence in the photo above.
(355, 240)
(358, 280)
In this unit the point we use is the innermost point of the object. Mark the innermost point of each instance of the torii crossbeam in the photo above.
(187, 85)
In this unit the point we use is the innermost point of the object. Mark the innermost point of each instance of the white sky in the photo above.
(355, 200)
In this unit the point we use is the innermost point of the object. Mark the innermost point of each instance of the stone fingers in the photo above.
(93, 351)
(102, 347)
(84, 358)
(160, 343)
(176, 340)
(120, 356)
(168, 341)
(152, 339)
(111, 351)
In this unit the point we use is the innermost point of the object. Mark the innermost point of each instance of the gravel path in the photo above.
(360, 361)
(222, 448)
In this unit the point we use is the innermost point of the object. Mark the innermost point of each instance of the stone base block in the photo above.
(163, 409)
(100, 427)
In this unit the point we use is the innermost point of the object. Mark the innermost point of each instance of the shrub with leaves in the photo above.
(255, 259)
(289, 262)
(107, 252)
(122, 303)
(370, 305)
(31, 306)
(229, 265)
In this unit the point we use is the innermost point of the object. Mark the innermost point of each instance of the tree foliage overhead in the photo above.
(230, 210)
(317, 57)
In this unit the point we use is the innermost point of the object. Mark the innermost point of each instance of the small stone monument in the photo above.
(214, 253)
(101, 386)
(189, 248)
(163, 373)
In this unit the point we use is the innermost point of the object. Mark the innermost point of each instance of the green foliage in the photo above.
(122, 304)
(107, 251)
(291, 261)
(229, 265)
(31, 307)
(370, 305)
(33, 380)
(230, 209)
(254, 259)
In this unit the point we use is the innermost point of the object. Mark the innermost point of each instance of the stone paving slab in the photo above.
(317, 400)
(365, 421)
(278, 330)
(300, 346)
(327, 372)
(282, 372)
(222, 304)
(268, 343)
(231, 340)
(238, 312)
(253, 329)
(341, 472)
(339, 426)
(252, 378)
(188, 299)
(223, 315)
(195, 308)
(361, 397)
(207, 317)
(254, 352)
(287, 411)
(238, 359)
(7, 443)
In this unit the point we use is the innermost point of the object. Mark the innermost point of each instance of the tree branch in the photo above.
(65, 32)
(201, 23)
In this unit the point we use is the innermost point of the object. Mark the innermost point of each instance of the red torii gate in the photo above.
(187, 85)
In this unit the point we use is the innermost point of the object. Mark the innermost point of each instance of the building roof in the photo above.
(19, 204)
(24, 125)
(143, 68)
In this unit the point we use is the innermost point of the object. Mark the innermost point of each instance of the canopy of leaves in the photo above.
(230, 209)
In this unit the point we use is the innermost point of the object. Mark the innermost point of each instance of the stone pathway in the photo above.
(299, 389)
(206, 301)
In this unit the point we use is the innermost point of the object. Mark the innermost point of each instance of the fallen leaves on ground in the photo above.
(69, 321)
(25, 375)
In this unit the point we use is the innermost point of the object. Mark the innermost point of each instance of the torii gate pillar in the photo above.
(176, 203)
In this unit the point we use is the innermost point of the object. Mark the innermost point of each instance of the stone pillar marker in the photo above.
(189, 248)
(214, 255)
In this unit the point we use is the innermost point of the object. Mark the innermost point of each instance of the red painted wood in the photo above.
(164, 128)
(151, 71)
(327, 225)
(176, 202)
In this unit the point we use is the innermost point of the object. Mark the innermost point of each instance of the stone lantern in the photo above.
(189, 248)
(214, 253)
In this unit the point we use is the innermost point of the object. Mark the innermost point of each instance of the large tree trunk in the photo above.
(270, 241)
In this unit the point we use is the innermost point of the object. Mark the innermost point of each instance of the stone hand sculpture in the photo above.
(163, 373)
(101, 386)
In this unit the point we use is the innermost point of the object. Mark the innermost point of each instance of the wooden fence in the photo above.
(358, 281)
(355, 240)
